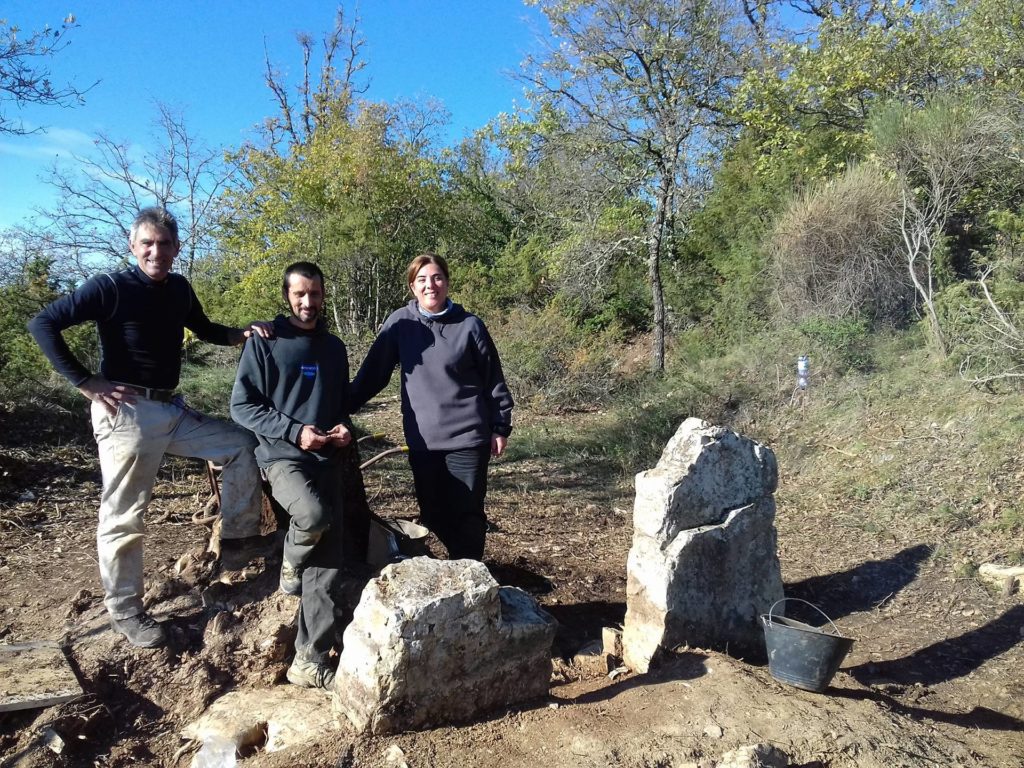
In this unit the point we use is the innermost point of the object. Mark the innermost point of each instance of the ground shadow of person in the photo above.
(947, 659)
(858, 589)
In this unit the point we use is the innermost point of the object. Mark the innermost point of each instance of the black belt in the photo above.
(150, 393)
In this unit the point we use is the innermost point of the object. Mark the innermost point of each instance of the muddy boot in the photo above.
(310, 674)
(291, 579)
(141, 630)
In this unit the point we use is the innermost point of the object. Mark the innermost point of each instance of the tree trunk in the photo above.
(654, 246)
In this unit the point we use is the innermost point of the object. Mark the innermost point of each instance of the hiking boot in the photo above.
(291, 579)
(309, 674)
(141, 630)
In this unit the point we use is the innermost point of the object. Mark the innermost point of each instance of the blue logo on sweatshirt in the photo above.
(310, 371)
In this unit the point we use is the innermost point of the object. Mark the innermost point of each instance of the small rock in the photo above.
(755, 756)
(714, 732)
(592, 661)
(394, 754)
(611, 641)
(27, 496)
(52, 740)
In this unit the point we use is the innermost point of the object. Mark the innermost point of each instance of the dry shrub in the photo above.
(554, 363)
(836, 251)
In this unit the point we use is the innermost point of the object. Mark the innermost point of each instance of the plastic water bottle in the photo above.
(217, 752)
(803, 371)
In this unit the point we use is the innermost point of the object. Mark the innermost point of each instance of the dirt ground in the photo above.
(934, 678)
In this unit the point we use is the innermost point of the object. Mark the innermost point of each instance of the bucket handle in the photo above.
(806, 602)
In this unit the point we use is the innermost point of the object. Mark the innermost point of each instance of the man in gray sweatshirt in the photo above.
(291, 392)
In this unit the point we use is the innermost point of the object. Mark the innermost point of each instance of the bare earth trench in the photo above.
(934, 678)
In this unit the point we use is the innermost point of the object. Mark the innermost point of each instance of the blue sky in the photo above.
(206, 57)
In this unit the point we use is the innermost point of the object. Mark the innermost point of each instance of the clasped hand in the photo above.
(312, 438)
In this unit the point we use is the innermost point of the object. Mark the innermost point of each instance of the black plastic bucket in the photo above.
(801, 655)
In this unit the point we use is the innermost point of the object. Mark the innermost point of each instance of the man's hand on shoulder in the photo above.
(98, 389)
(261, 328)
(339, 435)
(312, 438)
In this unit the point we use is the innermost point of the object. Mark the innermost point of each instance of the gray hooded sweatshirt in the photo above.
(296, 378)
(454, 394)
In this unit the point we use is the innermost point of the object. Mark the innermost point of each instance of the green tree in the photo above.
(28, 282)
(937, 155)
(640, 82)
(351, 184)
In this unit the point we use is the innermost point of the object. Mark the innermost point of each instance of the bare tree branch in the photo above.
(24, 73)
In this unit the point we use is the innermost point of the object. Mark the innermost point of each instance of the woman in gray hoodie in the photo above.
(456, 407)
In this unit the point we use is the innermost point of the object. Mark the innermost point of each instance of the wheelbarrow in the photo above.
(392, 539)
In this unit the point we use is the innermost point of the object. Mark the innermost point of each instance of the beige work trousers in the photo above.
(132, 444)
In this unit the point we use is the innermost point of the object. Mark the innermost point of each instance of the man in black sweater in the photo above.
(141, 314)
(291, 392)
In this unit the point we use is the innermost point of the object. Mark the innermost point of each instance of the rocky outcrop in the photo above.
(703, 564)
(435, 642)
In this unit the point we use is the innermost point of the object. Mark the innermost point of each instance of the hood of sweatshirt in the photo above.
(285, 329)
(454, 314)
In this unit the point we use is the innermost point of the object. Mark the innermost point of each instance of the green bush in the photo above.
(843, 344)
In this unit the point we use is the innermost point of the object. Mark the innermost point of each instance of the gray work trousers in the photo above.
(311, 493)
(132, 444)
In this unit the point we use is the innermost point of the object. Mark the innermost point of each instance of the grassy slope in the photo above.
(907, 451)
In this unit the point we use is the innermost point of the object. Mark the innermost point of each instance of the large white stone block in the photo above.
(704, 472)
(437, 641)
(703, 564)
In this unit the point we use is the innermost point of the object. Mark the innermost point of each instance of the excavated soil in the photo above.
(934, 677)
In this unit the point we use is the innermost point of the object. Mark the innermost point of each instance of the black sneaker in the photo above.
(291, 579)
(141, 630)
(309, 674)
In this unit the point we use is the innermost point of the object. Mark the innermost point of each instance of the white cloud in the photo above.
(52, 141)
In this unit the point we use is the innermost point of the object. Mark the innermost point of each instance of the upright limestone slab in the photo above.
(704, 562)
(438, 641)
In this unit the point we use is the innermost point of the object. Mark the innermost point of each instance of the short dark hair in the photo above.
(156, 216)
(421, 261)
(306, 269)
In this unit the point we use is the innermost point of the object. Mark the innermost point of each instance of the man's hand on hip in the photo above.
(109, 395)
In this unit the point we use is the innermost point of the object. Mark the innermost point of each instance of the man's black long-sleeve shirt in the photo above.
(141, 326)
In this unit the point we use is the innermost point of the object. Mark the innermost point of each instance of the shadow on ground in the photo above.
(861, 588)
(948, 659)
(581, 623)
